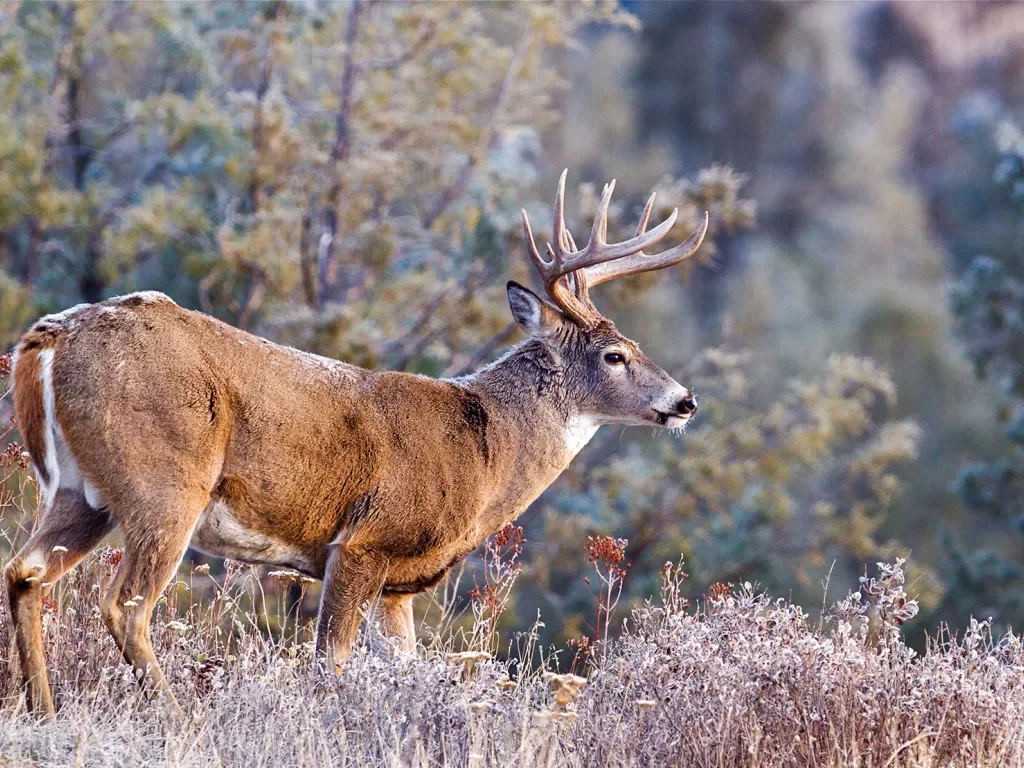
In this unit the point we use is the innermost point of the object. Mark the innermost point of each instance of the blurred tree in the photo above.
(320, 169)
(75, 81)
(988, 301)
(853, 122)
(743, 86)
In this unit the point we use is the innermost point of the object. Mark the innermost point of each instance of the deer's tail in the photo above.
(35, 404)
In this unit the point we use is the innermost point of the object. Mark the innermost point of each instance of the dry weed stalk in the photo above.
(608, 556)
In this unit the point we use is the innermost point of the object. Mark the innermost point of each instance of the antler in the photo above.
(569, 272)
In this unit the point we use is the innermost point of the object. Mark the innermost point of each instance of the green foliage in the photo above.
(988, 298)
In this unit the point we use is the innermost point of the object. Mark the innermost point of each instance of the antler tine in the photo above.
(641, 262)
(531, 246)
(599, 232)
(559, 232)
(642, 226)
(597, 253)
(567, 259)
(551, 275)
(572, 243)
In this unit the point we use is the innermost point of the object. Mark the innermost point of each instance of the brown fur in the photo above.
(28, 405)
(184, 429)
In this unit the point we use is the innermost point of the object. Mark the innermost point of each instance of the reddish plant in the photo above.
(501, 568)
(608, 556)
(719, 591)
(584, 653)
(13, 455)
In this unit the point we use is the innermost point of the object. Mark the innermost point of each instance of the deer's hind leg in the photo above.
(396, 619)
(156, 534)
(67, 532)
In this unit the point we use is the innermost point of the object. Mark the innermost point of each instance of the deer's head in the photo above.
(606, 376)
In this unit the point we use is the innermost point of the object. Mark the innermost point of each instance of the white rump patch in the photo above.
(93, 497)
(61, 465)
(579, 431)
(49, 429)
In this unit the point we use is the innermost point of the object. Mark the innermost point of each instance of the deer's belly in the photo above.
(419, 574)
(219, 533)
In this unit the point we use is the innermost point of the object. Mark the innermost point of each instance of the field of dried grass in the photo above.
(739, 680)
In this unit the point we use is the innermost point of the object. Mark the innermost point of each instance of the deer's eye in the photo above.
(614, 358)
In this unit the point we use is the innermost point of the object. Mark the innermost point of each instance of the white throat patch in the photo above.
(578, 432)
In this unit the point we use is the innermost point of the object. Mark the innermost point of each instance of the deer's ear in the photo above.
(532, 313)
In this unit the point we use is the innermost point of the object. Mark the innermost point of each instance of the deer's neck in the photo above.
(525, 392)
(527, 376)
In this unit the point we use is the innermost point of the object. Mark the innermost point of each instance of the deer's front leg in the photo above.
(351, 579)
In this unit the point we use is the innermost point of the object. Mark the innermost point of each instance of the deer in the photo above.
(183, 431)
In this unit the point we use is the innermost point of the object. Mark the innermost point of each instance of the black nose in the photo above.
(687, 405)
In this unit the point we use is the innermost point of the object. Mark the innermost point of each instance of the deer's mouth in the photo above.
(669, 420)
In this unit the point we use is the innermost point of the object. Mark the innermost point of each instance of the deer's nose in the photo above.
(687, 405)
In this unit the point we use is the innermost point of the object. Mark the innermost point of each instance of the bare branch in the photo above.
(423, 329)
(456, 188)
(326, 267)
(255, 289)
(485, 351)
(204, 291)
(308, 260)
(111, 211)
(266, 73)
(404, 58)
(342, 142)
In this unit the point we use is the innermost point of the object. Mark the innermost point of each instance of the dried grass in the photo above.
(741, 680)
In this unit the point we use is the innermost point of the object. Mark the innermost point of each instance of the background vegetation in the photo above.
(346, 178)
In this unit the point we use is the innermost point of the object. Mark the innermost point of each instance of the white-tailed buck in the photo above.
(185, 432)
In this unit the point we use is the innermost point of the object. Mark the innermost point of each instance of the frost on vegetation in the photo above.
(736, 679)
